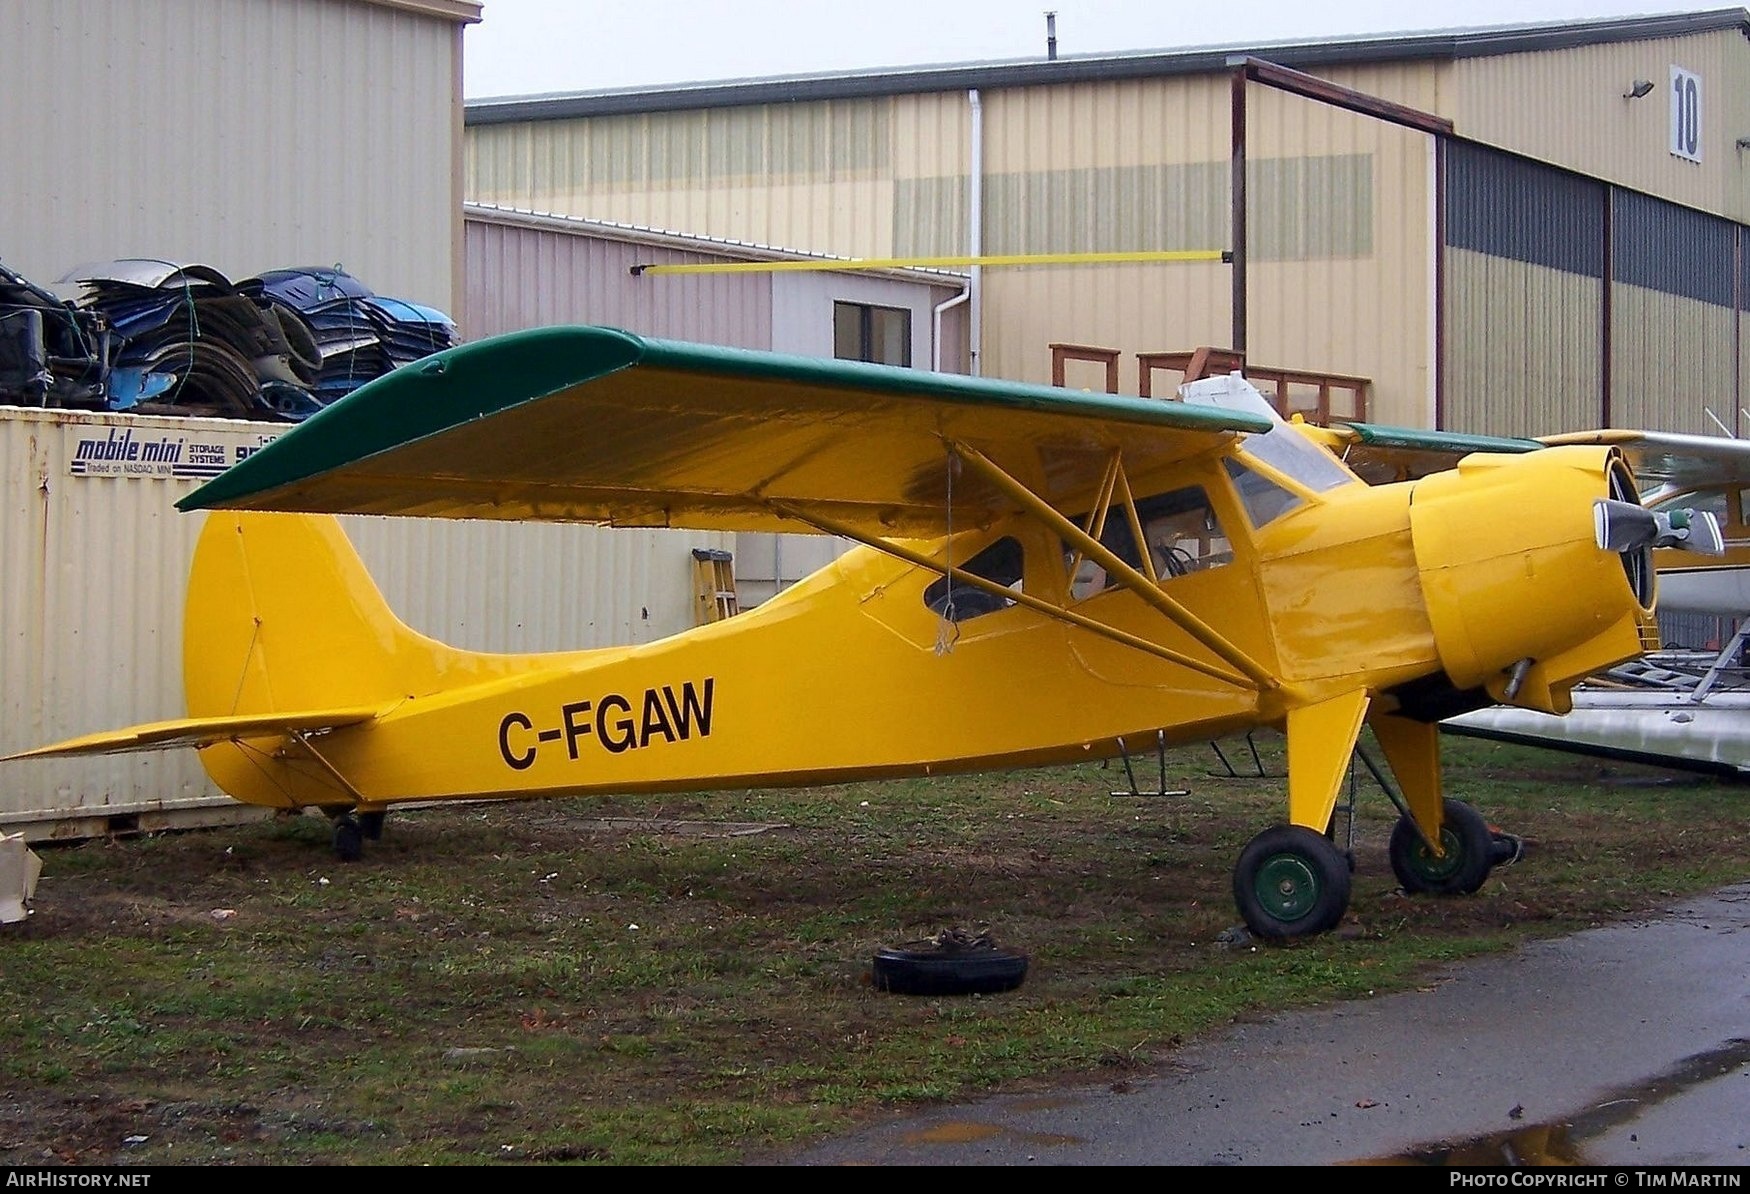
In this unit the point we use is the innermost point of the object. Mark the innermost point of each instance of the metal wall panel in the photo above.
(1568, 107)
(1112, 166)
(1671, 361)
(815, 177)
(1524, 347)
(1341, 249)
(1509, 207)
(1671, 249)
(1339, 217)
(1524, 307)
(1672, 349)
(242, 134)
(94, 582)
(525, 273)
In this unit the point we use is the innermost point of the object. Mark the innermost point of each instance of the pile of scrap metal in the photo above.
(358, 335)
(54, 354)
(157, 337)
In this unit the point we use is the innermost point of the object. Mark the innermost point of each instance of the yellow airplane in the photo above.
(1045, 575)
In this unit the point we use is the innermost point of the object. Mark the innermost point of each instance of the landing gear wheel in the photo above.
(1291, 882)
(349, 839)
(1469, 853)
(371, 825)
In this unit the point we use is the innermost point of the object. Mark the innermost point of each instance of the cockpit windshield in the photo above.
(1297, 458)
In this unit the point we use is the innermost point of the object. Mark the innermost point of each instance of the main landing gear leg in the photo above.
(1292, 880)
(1439, 846)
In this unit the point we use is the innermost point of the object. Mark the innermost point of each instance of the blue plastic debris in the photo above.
(166, 338)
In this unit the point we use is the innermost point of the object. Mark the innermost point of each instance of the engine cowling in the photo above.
(1522, 598)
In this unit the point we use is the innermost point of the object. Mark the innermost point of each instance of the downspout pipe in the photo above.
(936, 314)
(975, 238)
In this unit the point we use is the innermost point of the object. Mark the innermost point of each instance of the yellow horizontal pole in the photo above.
(858, 263)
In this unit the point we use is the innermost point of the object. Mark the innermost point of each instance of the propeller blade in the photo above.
(1691, 530)
(1623, 526)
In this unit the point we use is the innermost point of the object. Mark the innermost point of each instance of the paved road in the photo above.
(1623, 1045)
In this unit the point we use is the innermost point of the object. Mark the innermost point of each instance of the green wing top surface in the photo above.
(1380, 453)
(598, 425)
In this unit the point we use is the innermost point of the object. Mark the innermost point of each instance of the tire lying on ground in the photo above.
(951, 965)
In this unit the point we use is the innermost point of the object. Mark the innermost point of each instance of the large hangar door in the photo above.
(1673, 345)
(1523, 326)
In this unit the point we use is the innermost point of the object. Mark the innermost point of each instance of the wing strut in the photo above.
(887, 546)
(1137, 582)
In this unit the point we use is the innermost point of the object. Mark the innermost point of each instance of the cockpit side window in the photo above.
(957, 601)
(1182, 532)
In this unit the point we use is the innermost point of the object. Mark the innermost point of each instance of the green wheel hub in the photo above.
(1287, 886)
(1437, 870)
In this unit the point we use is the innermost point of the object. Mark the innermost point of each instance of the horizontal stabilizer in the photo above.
(198, 731)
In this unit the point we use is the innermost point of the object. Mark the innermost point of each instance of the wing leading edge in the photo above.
(598, 425)
(1661, 460)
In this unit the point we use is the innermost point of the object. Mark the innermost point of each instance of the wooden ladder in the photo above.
(713, 586)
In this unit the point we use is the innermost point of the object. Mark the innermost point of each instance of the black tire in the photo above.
(1291, 882)
(349, 839)
(1469, 853)
(948, 972)
(371, 824)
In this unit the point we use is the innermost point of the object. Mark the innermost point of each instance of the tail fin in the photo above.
(283, 622)
(286, 636)
(282, 615)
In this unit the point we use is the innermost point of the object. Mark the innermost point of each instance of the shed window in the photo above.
(881, 335)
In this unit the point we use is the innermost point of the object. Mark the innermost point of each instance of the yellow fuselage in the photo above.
(1448, 581)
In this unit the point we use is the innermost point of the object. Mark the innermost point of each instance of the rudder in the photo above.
(281, 614)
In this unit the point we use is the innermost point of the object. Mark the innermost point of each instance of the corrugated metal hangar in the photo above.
(1518, 230)
(311, 131)
(243, 135)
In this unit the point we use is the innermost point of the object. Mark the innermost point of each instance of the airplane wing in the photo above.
(1379, 454)
(197, 731)
(599, 425)
(1670, 461)
(1661, 460)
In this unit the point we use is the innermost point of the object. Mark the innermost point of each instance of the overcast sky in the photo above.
(527, 47)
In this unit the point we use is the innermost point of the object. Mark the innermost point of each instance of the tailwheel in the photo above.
(349, 838)
(1291, 882)
(1468, 848)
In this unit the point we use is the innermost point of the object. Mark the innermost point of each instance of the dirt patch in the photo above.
(687, 979)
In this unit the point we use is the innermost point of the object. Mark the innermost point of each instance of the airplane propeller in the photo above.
(1628, 526)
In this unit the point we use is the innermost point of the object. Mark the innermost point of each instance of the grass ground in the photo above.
(681, 980)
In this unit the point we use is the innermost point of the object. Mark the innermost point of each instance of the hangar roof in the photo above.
(1437, 45)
